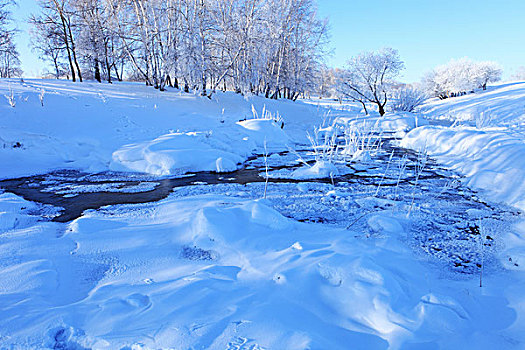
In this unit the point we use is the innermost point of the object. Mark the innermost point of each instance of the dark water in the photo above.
(49, 188)
(440, 225)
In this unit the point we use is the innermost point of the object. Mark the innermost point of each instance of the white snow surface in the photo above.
(491, 160)
(214, 272)
(219, 272)
(320, 169)
(131, 127)
(486, 142)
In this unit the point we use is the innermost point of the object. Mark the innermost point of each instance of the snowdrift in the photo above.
(223, 273)
(491, 160)
(486, 142)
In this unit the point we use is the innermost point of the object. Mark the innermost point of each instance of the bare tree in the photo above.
(56, 20)
(369, 77)
(9, 58)
(407, 98)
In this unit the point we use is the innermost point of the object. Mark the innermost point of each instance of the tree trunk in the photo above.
(57, 69)
(66, 42)
(381, 109)
(97, 71)
(119, 78)
(276, 94)
(73, 50)
(106, 59)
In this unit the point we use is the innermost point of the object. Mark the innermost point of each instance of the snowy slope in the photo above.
(486, 141)
(501, 105)
(127, 126)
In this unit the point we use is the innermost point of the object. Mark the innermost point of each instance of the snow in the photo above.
(266, 131)
(220, 260)
(320, 169)
(487, 145)
(491, 160)
(234, 271)
(398, 123)
(213, 267)
(130, 127)
(501, 105)
(175, 154)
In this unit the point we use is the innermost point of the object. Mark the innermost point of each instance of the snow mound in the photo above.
(490, 159)
(11, 216)
(321, 169)
(176, 153)
(266, 130)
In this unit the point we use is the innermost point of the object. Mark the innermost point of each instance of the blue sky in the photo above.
(426, 32)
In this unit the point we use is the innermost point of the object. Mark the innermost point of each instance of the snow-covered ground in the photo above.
(486, 141)
(130, 127)
(218, 267)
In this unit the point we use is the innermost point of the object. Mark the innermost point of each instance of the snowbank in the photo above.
(266, 131)
(490, 159)
(492, 154)
(220, 151)
(178, 153)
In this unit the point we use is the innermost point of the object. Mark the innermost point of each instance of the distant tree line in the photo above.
(269, 47)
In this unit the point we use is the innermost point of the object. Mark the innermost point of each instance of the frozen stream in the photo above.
(446, 220)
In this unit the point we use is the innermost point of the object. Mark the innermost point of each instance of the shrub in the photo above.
(407, 99)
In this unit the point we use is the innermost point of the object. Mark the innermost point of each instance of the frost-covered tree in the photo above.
(326, 82)
(9, 58)
(369, 77)
(461, 76)
(270, 47)
(519, 74)
(97, 38)
(486, 72)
